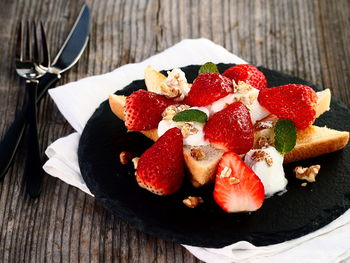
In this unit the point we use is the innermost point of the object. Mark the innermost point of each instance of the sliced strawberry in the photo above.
(231, 129)
(293, 101)
(160, 168)
(237, 187)
(248, 74)
(207, 88)
(143, 110)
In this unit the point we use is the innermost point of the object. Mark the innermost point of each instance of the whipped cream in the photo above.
(268, 166)
(175, 86)
(196, 133)
(247, 97)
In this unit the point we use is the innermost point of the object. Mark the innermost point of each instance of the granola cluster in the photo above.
(172, 110)
(175, 86)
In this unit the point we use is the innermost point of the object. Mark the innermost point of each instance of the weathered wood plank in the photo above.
(308, 38)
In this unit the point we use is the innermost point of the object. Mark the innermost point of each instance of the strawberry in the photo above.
(293, 101)
(207, 88)
(237, 187)
(231, 129)
(160, 168)
(143, 110)
(247, 73)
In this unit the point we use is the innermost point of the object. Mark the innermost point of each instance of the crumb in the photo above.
(226, 172)
(233, 180)
(124, 157)
(304, 184)
(135, 161)
(192, 201)
(197, 153)
(308, 173)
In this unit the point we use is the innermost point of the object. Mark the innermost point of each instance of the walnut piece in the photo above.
(308, 173)
(260, 155)
(135, 161)
(226, 172)
(261, 125)
(197, 153)
(192, 201)
(241, 87)
(263, 142)
(124, 157)
(188, 129)
(172, 110)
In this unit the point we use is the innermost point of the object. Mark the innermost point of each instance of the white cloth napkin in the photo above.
(78, 100)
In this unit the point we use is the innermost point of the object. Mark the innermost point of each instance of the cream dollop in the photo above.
(193, 139)
(175, 85)
(271, 175)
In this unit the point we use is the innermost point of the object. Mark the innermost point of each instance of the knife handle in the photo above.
(33, 171)
(13, 136)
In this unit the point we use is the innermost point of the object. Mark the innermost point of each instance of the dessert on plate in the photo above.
(230, 129)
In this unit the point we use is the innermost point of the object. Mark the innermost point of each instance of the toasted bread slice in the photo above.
(311, 142)
(153, 79)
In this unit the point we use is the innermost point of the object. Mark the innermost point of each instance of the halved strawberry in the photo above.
(237, 187)
(160, 168)
(248, 74)
(231, 129)
(293, 101)
(207, 88)
(143, 110)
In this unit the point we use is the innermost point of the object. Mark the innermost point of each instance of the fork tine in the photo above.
(45, 50)
(19, 50)
(36, 58)
(28, 48)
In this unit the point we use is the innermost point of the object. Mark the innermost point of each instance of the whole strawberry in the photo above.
(248, 74)
(231, 129)
(143, 110)
(293, 101)
(207, 88)
(160, 168)
(237, 187)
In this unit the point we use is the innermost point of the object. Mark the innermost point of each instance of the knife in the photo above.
(68, 55)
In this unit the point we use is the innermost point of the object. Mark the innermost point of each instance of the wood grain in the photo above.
(306, 38)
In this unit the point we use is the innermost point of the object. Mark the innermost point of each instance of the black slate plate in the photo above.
(296, 213)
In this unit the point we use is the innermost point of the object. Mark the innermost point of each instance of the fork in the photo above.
(32, 62)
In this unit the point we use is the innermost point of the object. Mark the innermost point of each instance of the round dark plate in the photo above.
(299, 211)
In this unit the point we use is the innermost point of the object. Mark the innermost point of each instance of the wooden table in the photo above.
(309, 39)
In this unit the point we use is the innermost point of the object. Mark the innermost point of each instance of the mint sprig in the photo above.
(285, 135)
(191, 115)
(208, 67)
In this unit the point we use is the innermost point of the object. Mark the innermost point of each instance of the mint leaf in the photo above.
(208, 67)
(191, 115)
(285, 135)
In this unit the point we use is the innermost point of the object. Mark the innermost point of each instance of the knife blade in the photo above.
(67, 56)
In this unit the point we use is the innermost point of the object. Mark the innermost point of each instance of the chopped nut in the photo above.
(197, 154)
(172, 110)
(124, 157)
(192, 201)
(260, 155)
(308, 173)
(304, 184)
(188, 129)
(261, 125)
(233, 180)
(226, 172)
(135, 161)
(263, 142)
(242, 87)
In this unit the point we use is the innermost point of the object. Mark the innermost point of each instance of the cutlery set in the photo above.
(33, 64)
